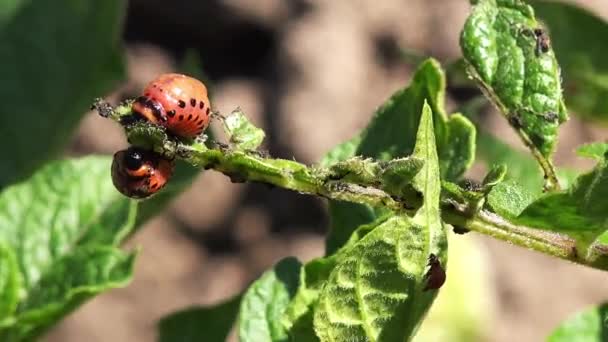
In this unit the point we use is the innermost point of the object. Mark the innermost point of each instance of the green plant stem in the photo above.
(253, 166)
(250, 166)
(243, 166)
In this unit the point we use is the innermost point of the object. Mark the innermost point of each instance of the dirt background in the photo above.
(310, 73)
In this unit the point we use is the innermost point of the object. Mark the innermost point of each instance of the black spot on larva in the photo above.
(201, 105)
(181, 104)
(193, 102)
(200, 122)
(181, 118)
(207, 110)
(171, 113)
(146, 94)
(189, 117)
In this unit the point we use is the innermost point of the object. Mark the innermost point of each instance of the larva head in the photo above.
(139, 173)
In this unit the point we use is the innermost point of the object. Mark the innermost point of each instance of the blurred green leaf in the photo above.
(579, 40)
(391, 133)
(594, 151)
(191, 325)
(521, 167)
(377, 288)
(265, 302)
(67, 215)
(55, 57)
(590, 325)
(10, 282)
(70, 280)
(521, 76)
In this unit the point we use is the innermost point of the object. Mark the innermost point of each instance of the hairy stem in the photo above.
(252, 166)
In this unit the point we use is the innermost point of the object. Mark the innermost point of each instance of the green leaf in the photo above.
(506, 55)
(87, 271)
(509, 199)
(241, 132)
(50, 75)
(496, 175)
(191, 325)
(65, 214)
(594, 151)
(585, 70)
(298, 318)
(65, 204)
(590, 325)
(391, 134)
(10, 282)
(579, 212)
(265, 302)
(376, 290)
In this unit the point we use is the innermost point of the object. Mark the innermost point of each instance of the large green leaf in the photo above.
(377, 289)
(590, 325)
(72, 279)
(55, 57)
(191, 325)
(579, 40)
(265, 302)
(391, 133)
(579, 212)
(516, 67)
(62, 226)
(10, 282)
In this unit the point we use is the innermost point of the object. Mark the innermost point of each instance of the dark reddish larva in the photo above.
(177, 102)
(435, 276)
(139, 173)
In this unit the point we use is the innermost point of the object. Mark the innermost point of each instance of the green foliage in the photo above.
(509, 199)
(507, 58)
(578, 38)
(59, 243)
(241, 132)
(391, 134)
(590, 325)
(212, 322)
(402, 178)
(51, 74)
(579, 212)
(377, 288)
(265, 302)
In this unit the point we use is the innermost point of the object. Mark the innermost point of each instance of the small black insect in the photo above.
(543, 42)
(435, 276)
(550, 116)
(516, 121)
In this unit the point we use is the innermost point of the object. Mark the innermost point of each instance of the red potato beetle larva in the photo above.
(177, 102)
(139, 173)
